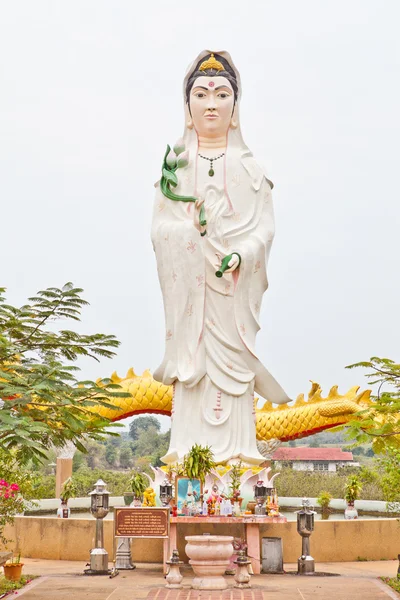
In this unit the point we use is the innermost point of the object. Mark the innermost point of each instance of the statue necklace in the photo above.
(211, 170)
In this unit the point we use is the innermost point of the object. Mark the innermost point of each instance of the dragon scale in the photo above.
(284, 423)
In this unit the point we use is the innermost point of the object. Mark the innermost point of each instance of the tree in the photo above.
(111, 455)
(125, 456)
(314, 443)
(143, 424)
(389, 465)
(381, 422)
(147, 442)
(44, 402)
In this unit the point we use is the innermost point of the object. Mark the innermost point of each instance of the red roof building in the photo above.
(303, 458)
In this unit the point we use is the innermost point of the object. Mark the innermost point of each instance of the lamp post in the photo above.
(305, 527)
(99, 509)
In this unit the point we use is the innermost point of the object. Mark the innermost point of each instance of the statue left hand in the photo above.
(233, 263)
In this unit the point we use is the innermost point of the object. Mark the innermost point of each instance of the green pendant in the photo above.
(211, 172)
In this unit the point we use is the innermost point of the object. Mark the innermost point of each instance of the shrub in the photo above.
(11, 504)
(324, 500)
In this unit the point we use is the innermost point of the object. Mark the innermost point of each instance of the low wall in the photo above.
(332, 541)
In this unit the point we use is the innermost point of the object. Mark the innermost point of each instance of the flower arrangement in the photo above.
(234, 484)
(11, 504)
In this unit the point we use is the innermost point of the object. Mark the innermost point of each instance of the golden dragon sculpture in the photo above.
(284, 423)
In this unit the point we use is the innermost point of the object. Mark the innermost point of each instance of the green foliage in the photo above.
(111, 455)
(125, 456)
(198, 462)
(234, 479)
(389, 465)
(381, 424)
(121, 453)
(11, 504)
(45, 487)
(393, 582)
(324, 499)
(7, 586)
(22, 475)
(68, 490)
(138, 482)
(330, 437)
(85, 478)
(352, 488)
(143, 423)
(292, 483)
(152, 444)
(45, 403)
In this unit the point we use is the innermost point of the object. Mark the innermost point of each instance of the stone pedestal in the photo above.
(209, 557)
(123, 555)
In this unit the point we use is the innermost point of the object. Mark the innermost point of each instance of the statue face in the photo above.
(211, 106)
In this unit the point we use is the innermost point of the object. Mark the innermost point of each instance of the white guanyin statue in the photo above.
(212, 231)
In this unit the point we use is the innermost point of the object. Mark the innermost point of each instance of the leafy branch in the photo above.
(43, 401)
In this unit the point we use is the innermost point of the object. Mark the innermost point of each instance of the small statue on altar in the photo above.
(214, 500)
(273, 505)
(149, 497)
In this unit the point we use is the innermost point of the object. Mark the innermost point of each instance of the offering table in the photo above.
(251, 526)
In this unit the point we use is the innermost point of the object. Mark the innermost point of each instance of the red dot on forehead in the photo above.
(211, 84)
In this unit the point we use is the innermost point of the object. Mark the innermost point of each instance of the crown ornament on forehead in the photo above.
(211, 63)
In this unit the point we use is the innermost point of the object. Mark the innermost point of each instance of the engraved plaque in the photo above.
(141, 522)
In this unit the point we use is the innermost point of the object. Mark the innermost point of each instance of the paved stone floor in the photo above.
(63, 580)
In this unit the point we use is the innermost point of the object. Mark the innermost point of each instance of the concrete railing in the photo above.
(51, 504)
(72, 539)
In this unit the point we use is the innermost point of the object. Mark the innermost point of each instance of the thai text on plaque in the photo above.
(141, 522)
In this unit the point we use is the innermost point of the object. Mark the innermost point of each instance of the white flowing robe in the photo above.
(211, 323)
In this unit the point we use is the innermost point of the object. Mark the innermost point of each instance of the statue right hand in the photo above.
(196, 215)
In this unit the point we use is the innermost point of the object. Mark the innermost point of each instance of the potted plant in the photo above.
(13, 568)
(68, 491)
(324, 500)
(198, 462)
(352, 490)
(138, 482)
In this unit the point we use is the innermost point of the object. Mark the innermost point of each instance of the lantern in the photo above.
(305, 527)
(166, 492)
(260, 495)
(99, 509)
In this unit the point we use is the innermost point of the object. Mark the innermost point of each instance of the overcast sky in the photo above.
(91, 93)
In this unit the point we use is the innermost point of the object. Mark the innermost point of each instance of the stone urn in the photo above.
(350, 511)
(209, 557)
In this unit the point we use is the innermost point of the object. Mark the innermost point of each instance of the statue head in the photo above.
(211, 94)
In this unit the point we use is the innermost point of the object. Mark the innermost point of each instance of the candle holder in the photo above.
(305, 527)
(242, 574)
(174, 576)
(99, 508)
